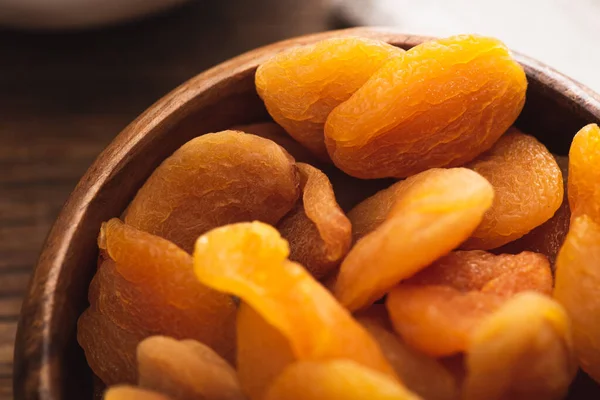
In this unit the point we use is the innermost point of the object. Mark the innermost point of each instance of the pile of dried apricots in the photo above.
(271, 261)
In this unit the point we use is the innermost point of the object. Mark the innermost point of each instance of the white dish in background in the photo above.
(61, 14)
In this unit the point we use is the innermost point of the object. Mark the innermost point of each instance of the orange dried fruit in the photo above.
(300, 86)
(109, 350)
(213, 180)
(584, 175)
(124, 392)
(577, 286)
(274, 132)
(420, 373)
(528, 189)
(185, 370)
(503, 274)
(439, 209)
(440, 104)
(262, 352)
(437, 310)
(373, 211)
(522, 351)
(335, 379)
(548, 237)
(438, 320)
(249, 260)
(318, 231)
(150, 287)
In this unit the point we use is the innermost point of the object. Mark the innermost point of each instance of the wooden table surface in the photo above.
(64, 96)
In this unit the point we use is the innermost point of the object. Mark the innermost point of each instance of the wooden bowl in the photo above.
(48, 361)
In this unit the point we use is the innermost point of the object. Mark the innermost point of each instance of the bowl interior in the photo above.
(48, 362)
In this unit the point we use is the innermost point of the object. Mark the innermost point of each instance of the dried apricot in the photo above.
(185, 370)
(151, 287)
(436, 310)
(124, 392)
(577, 286)
(439, 209)
(420, 373)
(301, 86)
(262, 352)
(372, 212)
(274, 132)
(249, 260)
(109, 350)
(528, 189)
(503, 274)
(318, 231)
(548, 237)
(438, 320)
(440, 104)
(522, 351)
(336, 379)
(213, 180)
(584, 175)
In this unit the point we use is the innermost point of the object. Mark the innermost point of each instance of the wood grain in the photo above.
(65, 96)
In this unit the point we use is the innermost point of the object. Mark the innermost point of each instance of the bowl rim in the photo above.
(34, 354)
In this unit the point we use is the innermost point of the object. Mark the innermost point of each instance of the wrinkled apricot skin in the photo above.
(548, 237)
(124, 392)
(489, 273)
(528, 189)
(262, 352)
(213, 180)
(584, 174)
(154, 289)
(440, 104)
(438, 320)
(577, 286)
(522, 351)
(302, 85)
(335, 380)
(318, 232)
(437, 310)
(249, 260)
(421, 374)
(185, 370)
(439, 209)
(109, 350)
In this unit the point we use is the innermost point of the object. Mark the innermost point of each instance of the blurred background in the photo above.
(74, 73)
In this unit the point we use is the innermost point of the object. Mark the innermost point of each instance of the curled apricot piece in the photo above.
(150, 287)
(440, 104)
(584, 175)
(318, 231)
(548, 237)
(262, 352)
(522, 351)
(249, 260)
(528, 189)
(124, 392)
(436, 310)
(335, 379)
(185, 370)
(577, 286)
(438, 320)
(439, 209)
(302, 85)
(420, 373)
(274, 132)
(109, 350)
(213, 180)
